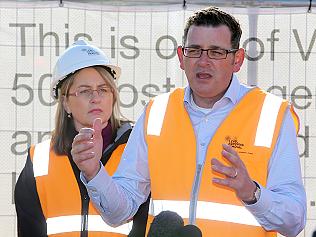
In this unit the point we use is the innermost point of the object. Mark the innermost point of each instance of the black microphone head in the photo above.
(165, 224)
(189, 231)
(314, 234)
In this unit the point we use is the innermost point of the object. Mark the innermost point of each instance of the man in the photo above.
(222, 155)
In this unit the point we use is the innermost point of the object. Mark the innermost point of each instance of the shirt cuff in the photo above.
(99, 182)
(98, 188)
(262, 205)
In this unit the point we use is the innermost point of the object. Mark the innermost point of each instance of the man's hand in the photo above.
(237, 176)
(87, 149)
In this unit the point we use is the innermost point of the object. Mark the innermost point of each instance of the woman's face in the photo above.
(89, 97)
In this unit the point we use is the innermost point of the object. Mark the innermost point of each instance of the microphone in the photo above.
(165, 224)
(189, 231)
(314, 234)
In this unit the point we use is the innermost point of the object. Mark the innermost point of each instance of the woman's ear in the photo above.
(65, 104)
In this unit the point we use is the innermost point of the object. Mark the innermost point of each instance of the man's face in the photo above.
(209, 78)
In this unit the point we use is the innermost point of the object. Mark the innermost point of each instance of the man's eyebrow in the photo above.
(199, 47)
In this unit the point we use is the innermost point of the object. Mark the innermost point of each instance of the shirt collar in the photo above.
(231, 93)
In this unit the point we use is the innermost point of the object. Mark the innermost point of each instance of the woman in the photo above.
(49, 196)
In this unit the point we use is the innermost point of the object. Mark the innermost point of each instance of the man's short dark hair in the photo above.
(213, 16)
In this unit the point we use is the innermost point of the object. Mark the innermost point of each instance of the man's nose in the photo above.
(204, 59)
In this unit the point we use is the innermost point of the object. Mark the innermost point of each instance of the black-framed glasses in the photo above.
(87, 93)
(217, 54)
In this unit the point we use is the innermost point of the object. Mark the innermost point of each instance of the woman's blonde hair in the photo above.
(65, 131)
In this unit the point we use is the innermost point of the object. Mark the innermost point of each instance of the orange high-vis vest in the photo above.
(60, 198)
(251, 128)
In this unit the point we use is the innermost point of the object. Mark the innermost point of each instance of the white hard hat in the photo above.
(80, 55)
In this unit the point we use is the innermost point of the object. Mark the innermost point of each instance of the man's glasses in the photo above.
(87, 93)
(191, 52)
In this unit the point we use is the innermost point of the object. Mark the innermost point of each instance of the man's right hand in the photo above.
(87, 149)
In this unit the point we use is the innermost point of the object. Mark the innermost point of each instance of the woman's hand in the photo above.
(87, 149)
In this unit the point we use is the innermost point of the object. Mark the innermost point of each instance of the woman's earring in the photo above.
(69, 115)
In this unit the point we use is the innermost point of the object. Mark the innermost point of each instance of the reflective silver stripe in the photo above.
(41, 158)
(157, 114)
(206, 210)
(267, 121)
(180, 207)
(225, 212)
(96, 223)
(64, 224)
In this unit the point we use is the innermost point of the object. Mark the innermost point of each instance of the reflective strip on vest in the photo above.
(206, 210)
(265, 128)
(64, 224)
(41, 158)
(267, 121)
(157, 114)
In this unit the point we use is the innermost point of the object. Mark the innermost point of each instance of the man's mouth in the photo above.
(203, 75)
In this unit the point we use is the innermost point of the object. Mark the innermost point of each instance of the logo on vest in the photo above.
(233, 142)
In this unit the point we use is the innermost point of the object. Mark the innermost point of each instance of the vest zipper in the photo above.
(195, 194)
(84, 199)
(84, 215)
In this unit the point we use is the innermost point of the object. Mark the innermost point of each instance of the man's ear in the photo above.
(239, 59)
(180, 56)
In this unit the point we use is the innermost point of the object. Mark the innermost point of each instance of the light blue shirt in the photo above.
(282, 204)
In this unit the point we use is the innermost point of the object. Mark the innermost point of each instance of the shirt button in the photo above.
(94, 190)
(202, 144)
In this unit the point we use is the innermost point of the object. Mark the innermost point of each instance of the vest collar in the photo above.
(231, 94)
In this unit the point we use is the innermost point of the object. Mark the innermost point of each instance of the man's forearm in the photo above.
(113, 201)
